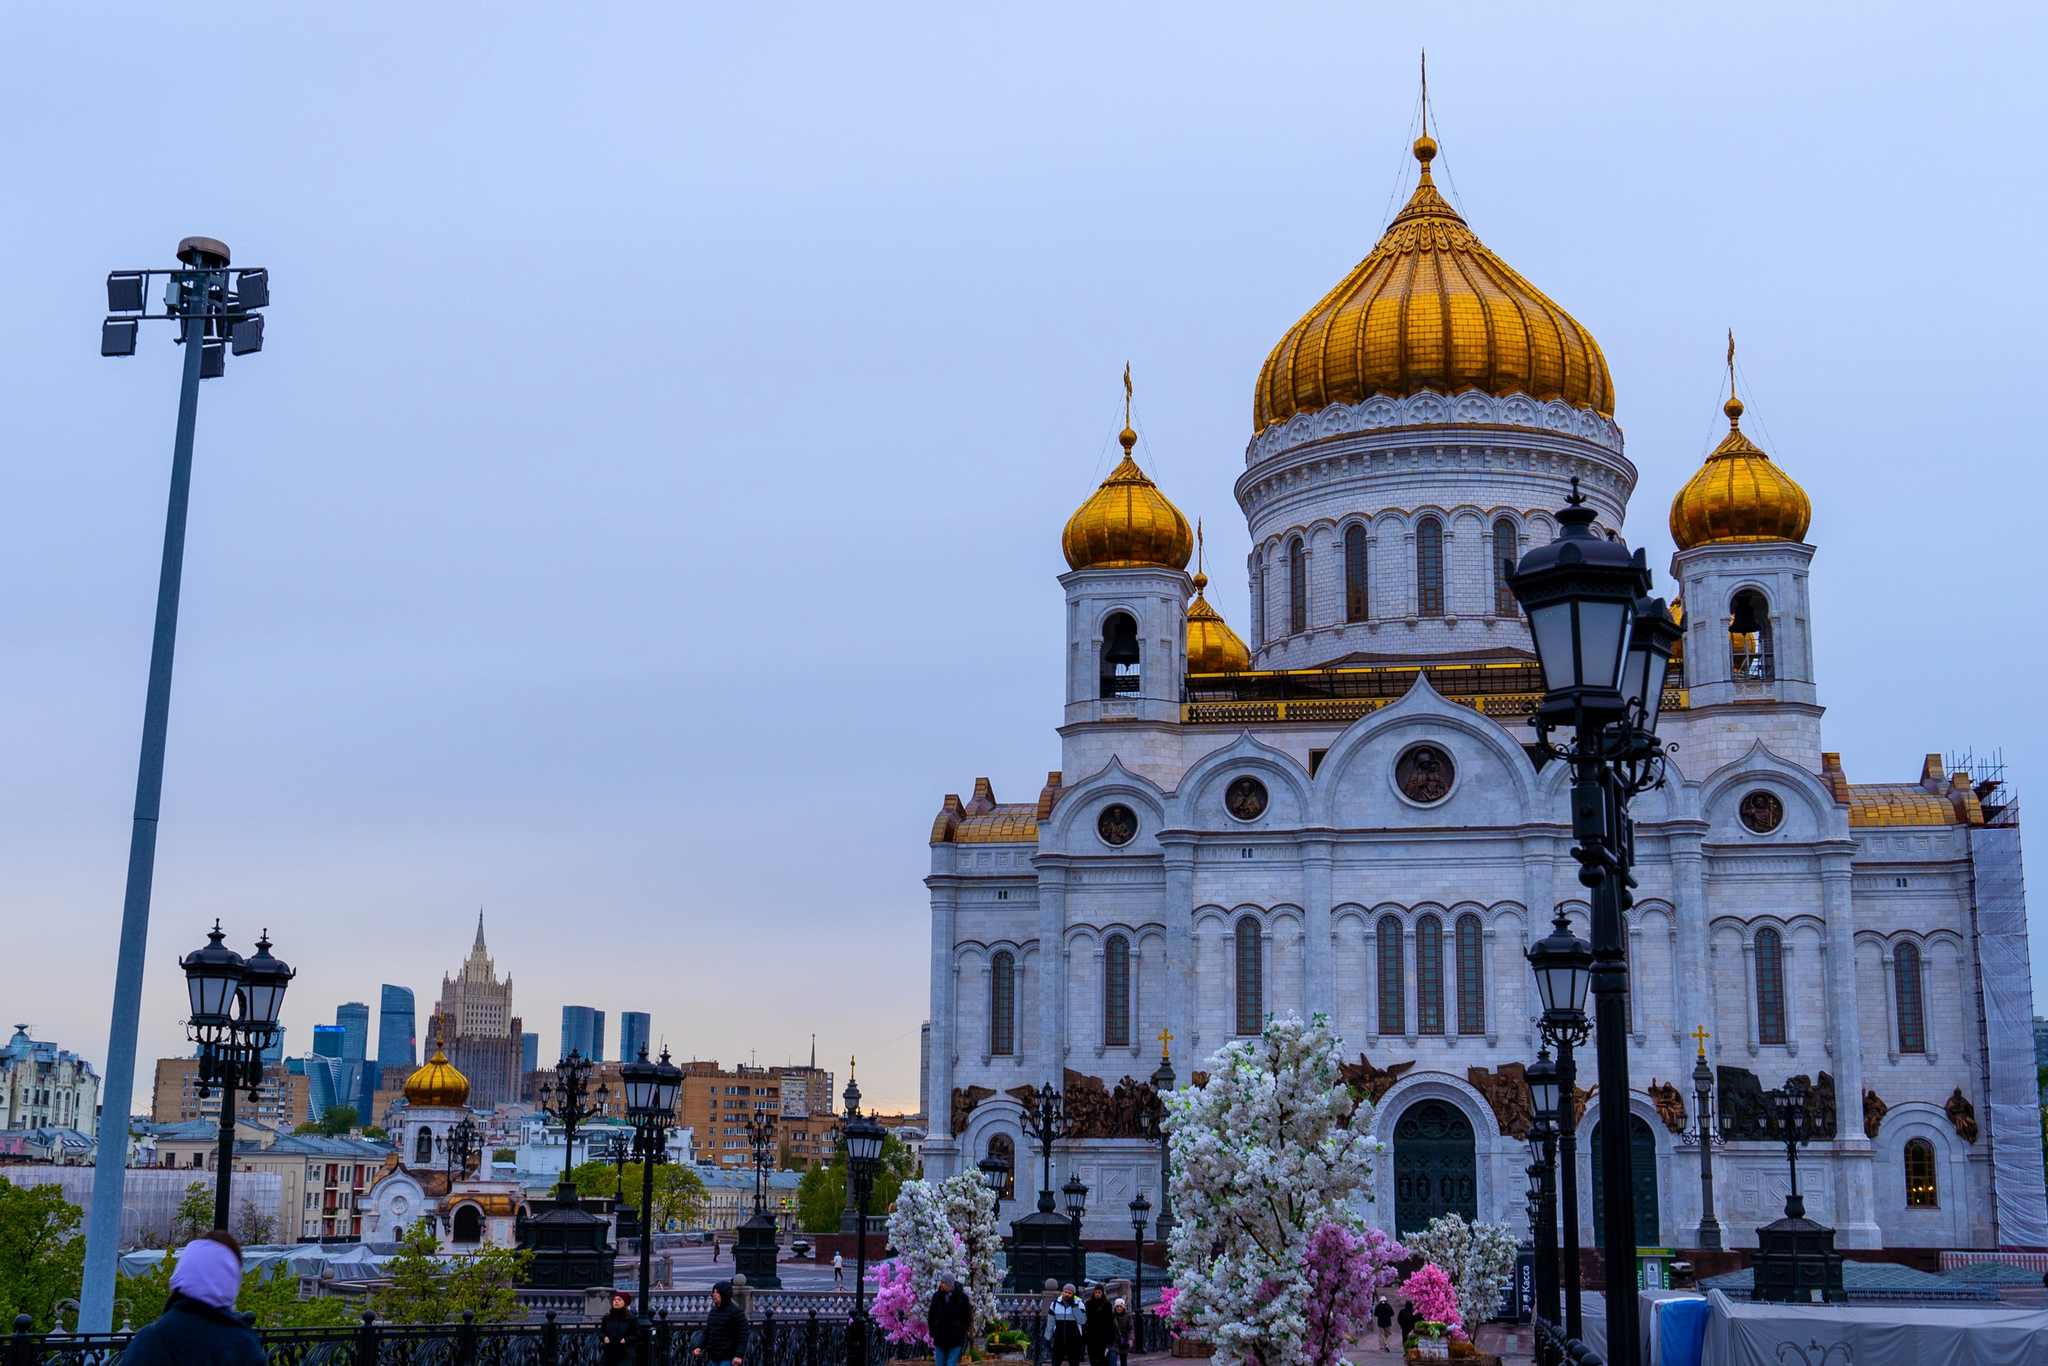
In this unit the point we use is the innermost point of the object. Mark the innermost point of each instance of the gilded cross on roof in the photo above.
(1700, 1036)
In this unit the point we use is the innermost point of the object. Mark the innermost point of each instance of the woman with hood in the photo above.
(199, 1325)
(725, 1330)
(618, 1332)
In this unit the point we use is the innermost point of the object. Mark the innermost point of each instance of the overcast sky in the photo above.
(647, 505)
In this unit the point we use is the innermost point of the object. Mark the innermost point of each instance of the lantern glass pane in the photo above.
(261, 1000)
(1603, 636)
(1551, 627)
(1659, 670)
(1635, 675)
(1544, 1095)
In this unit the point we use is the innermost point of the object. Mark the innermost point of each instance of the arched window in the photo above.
(999, 1145)
(1504, 560)
(1471, 976)
(1429, 975)
(1770, 987)
(1912, 1007)
(469, 1224)
(423, 1148)
(1357, 606)
(1116, 992)
(1002, 1006)
(1429, 567)
(1251, 995)
(1921, 1191)
(1749, 636)
(1297, 586)
(1120, 656)
(1393, 990)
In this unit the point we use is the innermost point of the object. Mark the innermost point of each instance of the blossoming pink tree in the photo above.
(897, 1307)
(1435, 1300)
(1346, 1267)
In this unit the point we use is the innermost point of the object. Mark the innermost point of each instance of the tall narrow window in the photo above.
(1471, 976)
(1921, 1191)
(1356, 606)
(1002, 1006)
(1297, 586)
(1251, 996)
(1770, 987)
(1749, 637)
(1393, 989)
(1504, 559)
(1116, 992)
(1429, 975)
(1429, 567)
(1912, 1006)
(423, 1150)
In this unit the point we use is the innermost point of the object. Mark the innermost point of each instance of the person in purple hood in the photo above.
(199, 1325)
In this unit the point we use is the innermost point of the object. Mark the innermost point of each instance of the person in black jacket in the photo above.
(1383, 1315)
(617, 1332)
(199, 1325)
(951, 1320)
(1406, 1318)
(725, 1330)
(1098, 1327)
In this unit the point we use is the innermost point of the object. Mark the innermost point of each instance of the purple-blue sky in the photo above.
(648, 505)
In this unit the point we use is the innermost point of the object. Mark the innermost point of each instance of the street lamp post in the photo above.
(235, 1003)
(1075, 1193)
(205, 304)
(1044, 1243)
(864, 1140)
(757, 1241)
(1604, 649)
(651, 1089)
(1163, 1082)
(1563, 965)
(1542, 1077)
(1140, 1207)
(1703, 1133)
(463, 1142)
(569, 1098)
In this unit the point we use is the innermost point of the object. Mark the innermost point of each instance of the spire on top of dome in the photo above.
(1213, 648)
(1739, 494)
(1127, 521)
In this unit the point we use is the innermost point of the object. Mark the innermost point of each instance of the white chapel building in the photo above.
(1343, 816)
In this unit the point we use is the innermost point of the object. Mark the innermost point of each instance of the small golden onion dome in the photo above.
(1431, 308)
(437, 1084)
(1213, 648)
(1127, 521)
(1739, 495)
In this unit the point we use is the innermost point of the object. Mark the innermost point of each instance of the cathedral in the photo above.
(1340, 811)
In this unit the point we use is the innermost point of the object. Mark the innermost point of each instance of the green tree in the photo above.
(821, 1194)
(252, 1228)
(275, 1302)
(504, 1155)
(678, 1191)
(427, 1287)
(337, 1120)
(42, 1258)
(194, 1215)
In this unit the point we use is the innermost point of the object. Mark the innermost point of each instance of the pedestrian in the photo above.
(838, 1269)
(1098, 1327)
(951, 1321)
(199, 1326)
(1383, 1315)
(725, 1330)
(617, 1332)
(1126, 1327)
(714, 1247)
(1063, 1328)
(1406, 1318)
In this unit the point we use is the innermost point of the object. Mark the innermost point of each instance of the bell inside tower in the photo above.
(1120, 656)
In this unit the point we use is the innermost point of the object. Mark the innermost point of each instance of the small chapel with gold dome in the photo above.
(434, 1174)
(1334, 809)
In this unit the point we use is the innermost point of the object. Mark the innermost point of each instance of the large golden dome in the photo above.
(1431, 308)
(1127, 521)
(437, 1084)
(1213, 648)
(1739, 495)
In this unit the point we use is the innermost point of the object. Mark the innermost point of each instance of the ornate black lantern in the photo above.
(1563, 964)
(1579, 593)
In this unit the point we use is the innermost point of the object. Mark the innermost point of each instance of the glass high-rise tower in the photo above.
(397, 1030)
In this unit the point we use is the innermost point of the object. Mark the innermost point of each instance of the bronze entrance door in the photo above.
(1642, 1165)
(1436, 1169)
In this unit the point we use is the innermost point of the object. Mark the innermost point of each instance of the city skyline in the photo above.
(661, 630)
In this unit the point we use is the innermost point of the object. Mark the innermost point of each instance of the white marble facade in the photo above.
(1343, 870)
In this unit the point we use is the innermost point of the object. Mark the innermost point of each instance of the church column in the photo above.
(1052, 984)
(1855, 1180)
(1319, 951)
(1178, 1009)
(944, 1021)
(1689, 907)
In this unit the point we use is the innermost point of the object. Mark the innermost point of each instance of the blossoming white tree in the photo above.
(1477, 1257)
(1271, 1148)
(948, 1227)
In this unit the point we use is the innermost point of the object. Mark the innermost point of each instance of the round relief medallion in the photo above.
(1762, 811)
(1117, 824)
(1245, 798)
(1424, 773)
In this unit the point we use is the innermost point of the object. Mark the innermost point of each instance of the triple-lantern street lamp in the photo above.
(235, 1003)
(651, 1090)
(570, 1099)
(460, 1145)
(864, 1140)
(1604, 647)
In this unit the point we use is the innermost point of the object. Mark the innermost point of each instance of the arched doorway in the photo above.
(469, 1224)
(1642, 1163)
(1436, 1166)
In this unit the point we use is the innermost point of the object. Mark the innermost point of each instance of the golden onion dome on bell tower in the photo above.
(1431, 308)
(1213, 648)
(1740, 494)
(1127, 521)
(437, 1084)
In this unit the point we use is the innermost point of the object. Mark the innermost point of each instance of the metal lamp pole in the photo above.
(864, 1140)
(201, 300)
(651, 1089)
(1703, 1132)
(235, 1004)
(569, 1098)
(1140, 1207)
(1163, 1082)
